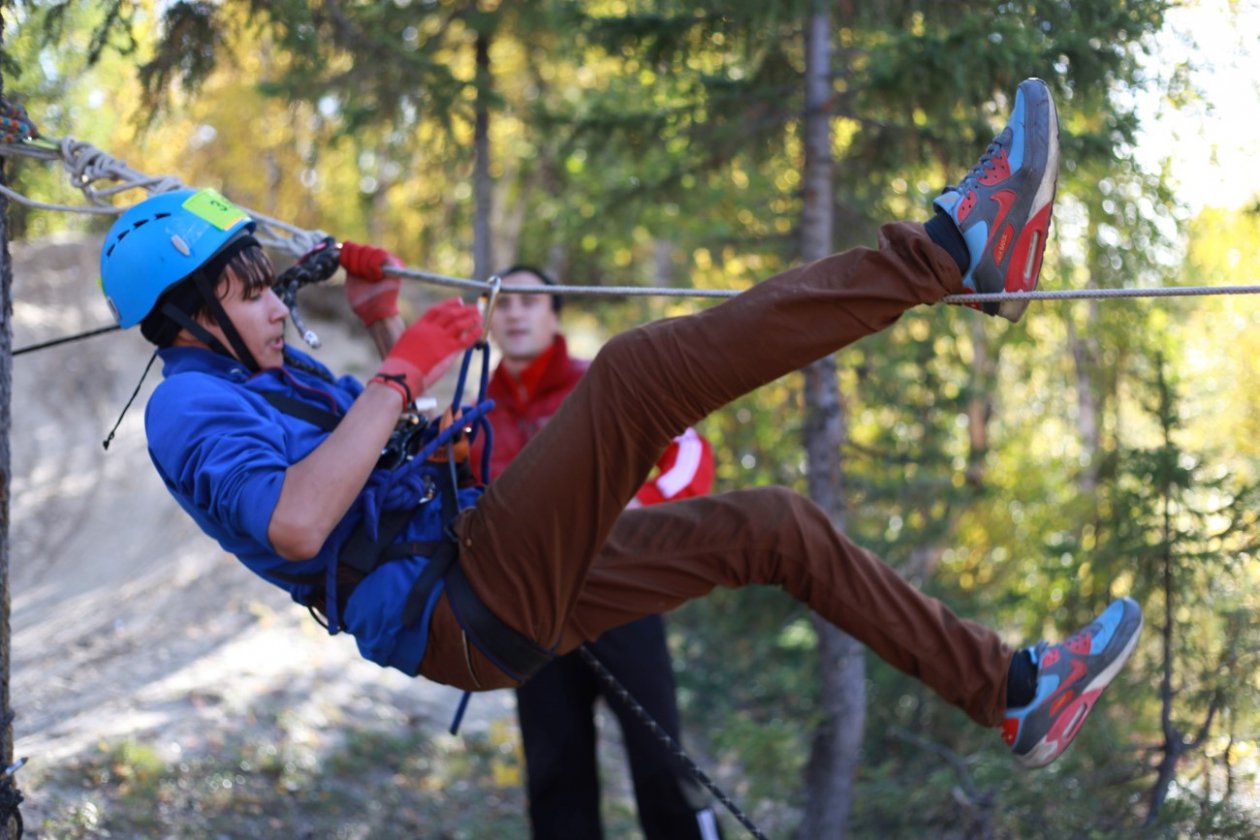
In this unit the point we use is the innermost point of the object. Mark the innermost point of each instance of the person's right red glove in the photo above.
(426, 349)
(370, 293)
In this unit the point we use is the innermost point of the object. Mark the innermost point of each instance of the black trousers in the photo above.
(557, 718)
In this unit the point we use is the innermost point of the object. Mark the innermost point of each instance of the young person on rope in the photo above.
(548, 557)
(556, 707)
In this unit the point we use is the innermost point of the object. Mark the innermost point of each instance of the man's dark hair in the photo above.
(557, 301)
(251, 264)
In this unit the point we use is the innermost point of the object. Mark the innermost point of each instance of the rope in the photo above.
(484, 287)
(87, 166)
(44, 345)
(675, 749)
(1089, 294)
(494, 287)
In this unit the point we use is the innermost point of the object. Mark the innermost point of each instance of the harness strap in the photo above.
(362, 553)
(442, 557)
(316, 416)
(514, 654)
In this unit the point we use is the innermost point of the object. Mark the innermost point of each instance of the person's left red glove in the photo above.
(369, 292)
(426, 349)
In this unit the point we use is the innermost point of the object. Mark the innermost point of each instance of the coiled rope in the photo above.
(101, 177)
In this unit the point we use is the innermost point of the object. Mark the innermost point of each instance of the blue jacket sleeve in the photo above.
(220, 452)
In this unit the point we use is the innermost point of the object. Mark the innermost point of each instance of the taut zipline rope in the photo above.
(658, 291)
(86, 166)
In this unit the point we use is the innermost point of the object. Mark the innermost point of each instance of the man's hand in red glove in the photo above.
(371, 294)
(426, 349)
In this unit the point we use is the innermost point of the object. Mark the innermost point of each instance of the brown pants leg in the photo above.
(541, 549)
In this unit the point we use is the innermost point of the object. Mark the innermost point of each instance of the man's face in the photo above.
(523, 326)
(259, 318)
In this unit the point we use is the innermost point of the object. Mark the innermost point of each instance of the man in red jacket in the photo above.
(556, 707)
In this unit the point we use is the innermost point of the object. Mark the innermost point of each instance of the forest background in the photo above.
(1026, 474)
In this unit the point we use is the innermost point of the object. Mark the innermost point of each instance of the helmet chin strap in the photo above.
(206, 286)
(206, 279)
(220, 317)
(203, 335)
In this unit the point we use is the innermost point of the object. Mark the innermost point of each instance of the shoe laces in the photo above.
(985, 163)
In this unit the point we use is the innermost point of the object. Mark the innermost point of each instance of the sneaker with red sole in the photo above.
(1070, 677)
(1002, 207)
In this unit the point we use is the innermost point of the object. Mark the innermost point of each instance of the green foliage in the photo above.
(191, 47)
(1188, 530)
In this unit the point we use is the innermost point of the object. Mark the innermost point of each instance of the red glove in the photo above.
(426, 349)
(370, 293)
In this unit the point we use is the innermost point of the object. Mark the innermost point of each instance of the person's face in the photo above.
(259, 318)
(523, 326)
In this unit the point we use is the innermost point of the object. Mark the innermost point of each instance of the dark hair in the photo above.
(557, 301)
(249, 263)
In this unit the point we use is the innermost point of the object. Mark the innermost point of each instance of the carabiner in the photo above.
(492, 298)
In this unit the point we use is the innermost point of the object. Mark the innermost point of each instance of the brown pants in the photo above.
(553, 553)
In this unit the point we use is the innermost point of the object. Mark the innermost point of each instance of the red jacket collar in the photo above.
(553, 370)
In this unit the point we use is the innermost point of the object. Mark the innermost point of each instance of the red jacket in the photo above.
(523, 405)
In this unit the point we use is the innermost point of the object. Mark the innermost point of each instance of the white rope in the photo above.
(1087, 294)
(657, 291)
(484, 287)
(87, 165)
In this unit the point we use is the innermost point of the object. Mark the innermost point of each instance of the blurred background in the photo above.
(1024, 473)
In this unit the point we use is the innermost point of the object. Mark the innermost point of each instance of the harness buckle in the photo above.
(458, 449)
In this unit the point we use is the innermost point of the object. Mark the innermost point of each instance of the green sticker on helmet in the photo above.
(215, 209)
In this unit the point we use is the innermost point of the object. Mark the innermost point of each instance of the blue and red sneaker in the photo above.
(1002, 207)
(1070, 677)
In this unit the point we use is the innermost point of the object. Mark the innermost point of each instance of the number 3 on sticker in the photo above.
(215, 209)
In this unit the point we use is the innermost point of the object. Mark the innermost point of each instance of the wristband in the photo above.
(396, 381)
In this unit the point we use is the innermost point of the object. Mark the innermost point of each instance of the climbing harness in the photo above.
(415, 439)
(435, 453)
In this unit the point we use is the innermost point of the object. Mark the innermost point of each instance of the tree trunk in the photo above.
(980, 405)
(1174, 742)
(7, 784)
(837, 742)
(1089, 403)
(483, 187)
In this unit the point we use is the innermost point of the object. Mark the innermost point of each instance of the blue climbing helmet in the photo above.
(163, 241)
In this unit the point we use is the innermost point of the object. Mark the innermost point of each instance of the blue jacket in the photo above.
(222, 451)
